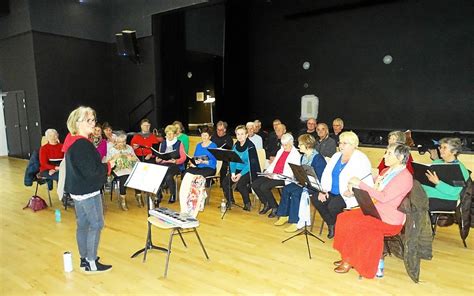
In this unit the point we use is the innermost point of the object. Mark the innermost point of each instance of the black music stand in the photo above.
(229, 156)
(140, 178)
(303, 181)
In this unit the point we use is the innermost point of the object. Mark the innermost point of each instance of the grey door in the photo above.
(16, 124)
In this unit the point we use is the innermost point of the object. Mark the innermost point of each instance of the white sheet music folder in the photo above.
(146, 177)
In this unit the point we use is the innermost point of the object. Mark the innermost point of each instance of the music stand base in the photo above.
(305, 232)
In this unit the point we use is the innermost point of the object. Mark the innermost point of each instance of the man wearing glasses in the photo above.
(222, 140)
(325, 144)
(337, 127)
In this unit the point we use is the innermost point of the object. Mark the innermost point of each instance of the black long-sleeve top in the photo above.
(225, 141)
(85, 172)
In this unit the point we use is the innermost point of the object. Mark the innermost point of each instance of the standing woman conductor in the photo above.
(85, 176)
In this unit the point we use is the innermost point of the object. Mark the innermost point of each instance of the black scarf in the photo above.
(242, 148)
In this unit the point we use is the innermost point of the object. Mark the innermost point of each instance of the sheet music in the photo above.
(315, 183)
(275, 176)
(146, 177)
(122, 172)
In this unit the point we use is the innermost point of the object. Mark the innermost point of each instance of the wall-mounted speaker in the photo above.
(130, 42)
(127, 45)
(120, 45)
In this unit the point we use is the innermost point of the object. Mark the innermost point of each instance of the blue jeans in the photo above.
(290, 202)
(90, 221)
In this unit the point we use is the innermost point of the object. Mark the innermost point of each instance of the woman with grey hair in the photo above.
(442, 196)
(263, 185)
(360, 238)
(85, 177)
(400, 138)
(124, 158)
(50, 154)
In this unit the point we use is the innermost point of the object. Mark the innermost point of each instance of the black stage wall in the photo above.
(17, 72)
(132, 84)
(427, 86)
(71, 72)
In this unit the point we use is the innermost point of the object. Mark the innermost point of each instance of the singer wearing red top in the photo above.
(143, 141)
(263, 185)
(48, 152)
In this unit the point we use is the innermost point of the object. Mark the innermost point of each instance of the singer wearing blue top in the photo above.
(205, 162)
(241, 173)
(288, 210)
(347, 163)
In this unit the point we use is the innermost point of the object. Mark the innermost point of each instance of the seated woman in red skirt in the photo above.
(359, 238)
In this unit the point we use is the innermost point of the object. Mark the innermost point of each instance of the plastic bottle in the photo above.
(223, 206)
(57, 215)
(379, 273)
(67, 258)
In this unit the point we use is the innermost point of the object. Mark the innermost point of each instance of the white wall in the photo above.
(3, 134)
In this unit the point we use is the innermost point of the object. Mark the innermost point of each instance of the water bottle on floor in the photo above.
(223, 206)
(67, 258)
(57, 215)
(379, 273)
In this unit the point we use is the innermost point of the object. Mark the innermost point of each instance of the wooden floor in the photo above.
(245, 249)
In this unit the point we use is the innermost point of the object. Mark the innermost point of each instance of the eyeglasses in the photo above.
(90, 120)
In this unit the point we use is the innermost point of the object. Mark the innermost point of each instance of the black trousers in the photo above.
(223, 171)
(330, 208)
(438, 204)
(263, 188)
(173, 170)
(242, 187)
(122, 188)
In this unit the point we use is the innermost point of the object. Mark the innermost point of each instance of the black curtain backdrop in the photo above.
(428, 85)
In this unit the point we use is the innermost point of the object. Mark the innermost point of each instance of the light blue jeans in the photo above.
(90, 221)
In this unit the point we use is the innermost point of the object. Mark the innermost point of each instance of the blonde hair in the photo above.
(349, 137)
(307, 140)
(78, 115)
(241, 127)
(180, 126)
(338, 121)
(171, 128)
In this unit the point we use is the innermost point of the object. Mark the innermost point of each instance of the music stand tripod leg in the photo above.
(307, 242)
(228, 201)
(149, 243)
(304, 232)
